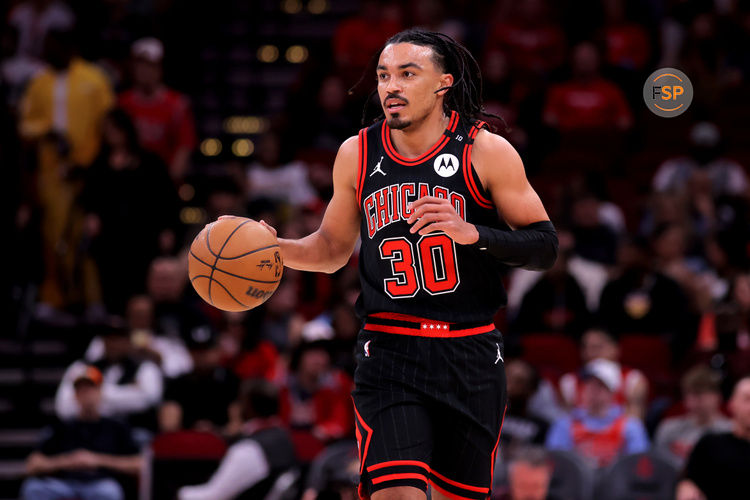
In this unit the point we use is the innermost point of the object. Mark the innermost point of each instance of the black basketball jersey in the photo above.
(428, 276)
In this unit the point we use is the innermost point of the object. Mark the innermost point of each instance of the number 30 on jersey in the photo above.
(433, 266)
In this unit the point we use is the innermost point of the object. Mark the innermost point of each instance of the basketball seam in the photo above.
(227, 272)
(218, 256)
(218, 283)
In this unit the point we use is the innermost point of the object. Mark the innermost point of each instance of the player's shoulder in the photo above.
(494, 149)
(350, 146)
(348, 155)
(490, 141)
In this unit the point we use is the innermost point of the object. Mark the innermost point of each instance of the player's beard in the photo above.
(397, 123)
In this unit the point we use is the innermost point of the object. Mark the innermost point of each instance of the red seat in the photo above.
(652, 356)
(182, 458)
(306, 445)
(189, 445)
(552, 354)
(645, 352)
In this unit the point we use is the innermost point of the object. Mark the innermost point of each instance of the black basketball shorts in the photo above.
(429, 403)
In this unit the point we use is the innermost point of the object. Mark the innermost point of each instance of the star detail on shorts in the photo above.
(433, 326)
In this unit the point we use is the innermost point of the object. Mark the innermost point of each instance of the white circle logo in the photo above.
(446, 165)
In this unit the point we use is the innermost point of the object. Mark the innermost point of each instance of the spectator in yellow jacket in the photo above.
(61, 114)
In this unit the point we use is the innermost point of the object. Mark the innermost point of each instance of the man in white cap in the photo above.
(598, 429)
(161, 115)
(633, 391)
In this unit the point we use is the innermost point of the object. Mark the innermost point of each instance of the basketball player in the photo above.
(429, 190)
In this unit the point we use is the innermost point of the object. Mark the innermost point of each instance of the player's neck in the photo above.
(418, 139)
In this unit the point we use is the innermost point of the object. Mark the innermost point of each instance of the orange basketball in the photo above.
(235, 264)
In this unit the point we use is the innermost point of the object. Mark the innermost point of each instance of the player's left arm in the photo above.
(533, 241)
(502, 173)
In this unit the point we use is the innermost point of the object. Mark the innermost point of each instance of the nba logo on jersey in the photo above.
(446, 165)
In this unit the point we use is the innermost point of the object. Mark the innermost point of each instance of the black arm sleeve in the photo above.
(531, 247)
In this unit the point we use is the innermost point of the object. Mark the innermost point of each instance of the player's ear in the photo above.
(446, 82)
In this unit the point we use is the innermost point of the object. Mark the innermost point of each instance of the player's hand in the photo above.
(430, 214)
(261, 222)
(264, 224)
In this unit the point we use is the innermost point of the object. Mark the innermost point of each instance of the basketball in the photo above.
(235, 264)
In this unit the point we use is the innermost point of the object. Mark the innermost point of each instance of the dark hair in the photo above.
(700, 379)
(465, 95)
(259, 398)
(535, 456)
(305, 347)
(122, 121)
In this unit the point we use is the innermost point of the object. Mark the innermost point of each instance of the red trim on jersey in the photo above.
(362, 450)
(467, 170)
(396, 463)
(466, 162)
(441, 142)
(361, 165)
(448, 494)
(476, 128)
(396, 477)
(467, 487)
(438, 330)
(497, 443)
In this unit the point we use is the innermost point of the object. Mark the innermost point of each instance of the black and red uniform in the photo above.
(430, 383)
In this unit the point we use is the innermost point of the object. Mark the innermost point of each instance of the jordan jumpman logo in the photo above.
(377, 168)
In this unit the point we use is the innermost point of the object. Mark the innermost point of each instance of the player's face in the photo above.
(407, 81)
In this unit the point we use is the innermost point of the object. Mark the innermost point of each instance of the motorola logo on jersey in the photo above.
(446, 165)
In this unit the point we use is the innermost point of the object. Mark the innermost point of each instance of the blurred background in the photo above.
(128, 125)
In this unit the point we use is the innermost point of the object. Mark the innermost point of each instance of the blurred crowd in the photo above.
(636, 341)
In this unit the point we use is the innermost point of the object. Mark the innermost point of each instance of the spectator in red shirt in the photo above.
(358, 37)
(243, 349)
(534, 43)
(627, 43)
(162, 116)
(587, 101)
(315, 400)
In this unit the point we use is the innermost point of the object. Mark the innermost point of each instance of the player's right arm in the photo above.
(329, 248)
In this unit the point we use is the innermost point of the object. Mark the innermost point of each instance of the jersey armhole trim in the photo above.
(361, 165)
(468, 171)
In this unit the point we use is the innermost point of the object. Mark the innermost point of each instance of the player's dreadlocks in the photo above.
(464, 96)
